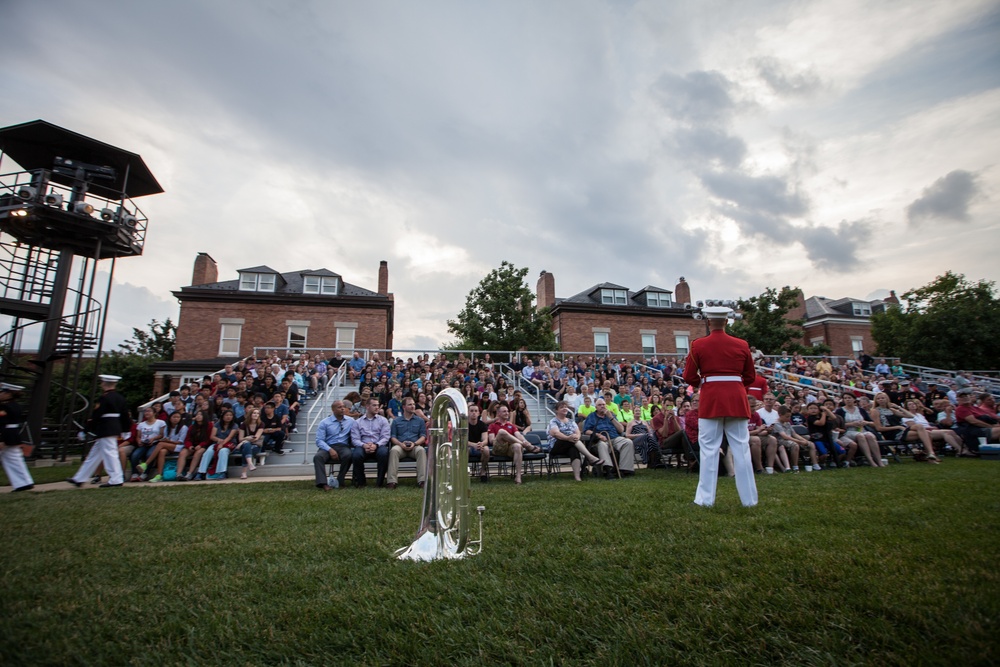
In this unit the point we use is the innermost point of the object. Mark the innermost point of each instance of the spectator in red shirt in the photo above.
(972, 423)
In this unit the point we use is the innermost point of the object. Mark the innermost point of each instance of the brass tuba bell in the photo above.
(444, 527)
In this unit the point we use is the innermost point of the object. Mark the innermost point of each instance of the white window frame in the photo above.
(682, 343)
(248, 282)
(657, 299)
(857, 344)
(861, 309)
(342, 344)
(262, 282)
(303, 332)
(230, 350)
(266, 282)
(326, 285)
(648, 349)
(614, 297)
(602, 339)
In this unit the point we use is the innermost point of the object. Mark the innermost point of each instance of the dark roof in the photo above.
(36, 145)
(321, 272)
(263, 268)
(290, 283)
(820, 306)
(592, 297)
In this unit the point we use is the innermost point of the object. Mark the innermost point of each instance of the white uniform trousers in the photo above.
(105, 451)
(14, 466)
(709, 442)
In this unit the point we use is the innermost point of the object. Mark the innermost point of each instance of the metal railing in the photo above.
(321, 405)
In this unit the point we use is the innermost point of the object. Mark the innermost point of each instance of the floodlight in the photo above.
(54, 199)
(127, 219)
(27, 192)
(19, 213)
(83, 208)
(107, 215)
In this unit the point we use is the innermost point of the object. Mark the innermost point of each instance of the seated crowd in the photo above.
(609, 415)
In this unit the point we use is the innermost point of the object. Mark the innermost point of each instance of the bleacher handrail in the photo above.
(317, 413)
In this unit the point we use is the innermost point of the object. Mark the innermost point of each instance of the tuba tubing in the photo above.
(444, 525)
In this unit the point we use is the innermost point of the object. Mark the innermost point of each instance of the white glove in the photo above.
(81, 436)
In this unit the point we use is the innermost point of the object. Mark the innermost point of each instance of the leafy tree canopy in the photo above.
(157, 343)
(949, 323)
(499, 315)
(765, 324)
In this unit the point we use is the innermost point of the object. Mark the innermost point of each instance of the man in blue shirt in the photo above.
(370, 435)
(357, 365)
(333, 437)
(608, 431)
(407, 435)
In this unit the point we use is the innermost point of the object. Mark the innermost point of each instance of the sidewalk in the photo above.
(66, 486)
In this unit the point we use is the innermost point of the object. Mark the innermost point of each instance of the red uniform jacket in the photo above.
(721, 354)
(757, 388)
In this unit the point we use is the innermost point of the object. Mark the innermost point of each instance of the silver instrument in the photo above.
(444, 527)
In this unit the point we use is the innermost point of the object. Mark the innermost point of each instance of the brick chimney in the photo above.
(799, 311)
(682, 293)
(892, 298)
(545, 290)
(205, 270)
(383, 278)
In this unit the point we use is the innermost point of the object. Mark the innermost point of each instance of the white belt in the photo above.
(112, 414)
(722, 378)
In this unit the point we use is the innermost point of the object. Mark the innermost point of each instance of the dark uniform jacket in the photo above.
(11, 421)
(110, 416)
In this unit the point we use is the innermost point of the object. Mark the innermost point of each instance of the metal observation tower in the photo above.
(65, 207)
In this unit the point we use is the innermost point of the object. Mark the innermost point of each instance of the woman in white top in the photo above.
(934, 433)
(564, 437)
(171, 442)
(855, 420)
(148, 433)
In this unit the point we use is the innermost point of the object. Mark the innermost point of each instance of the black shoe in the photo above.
(484, 479)
(27, 487)
(109, 485)
(74, 482)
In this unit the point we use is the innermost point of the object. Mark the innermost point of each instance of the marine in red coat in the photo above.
(722, 367)
(721, 355)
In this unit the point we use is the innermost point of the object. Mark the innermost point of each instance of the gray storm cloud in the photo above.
(948, 198)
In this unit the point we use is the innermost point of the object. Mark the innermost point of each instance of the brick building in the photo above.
(312, 308)
(843, 324)
(612, 319)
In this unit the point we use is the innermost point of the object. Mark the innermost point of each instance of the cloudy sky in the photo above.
(845, 147)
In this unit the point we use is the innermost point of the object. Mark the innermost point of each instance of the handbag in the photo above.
(170, 471)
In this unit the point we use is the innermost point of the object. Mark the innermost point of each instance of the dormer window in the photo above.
(257, 282)
(319, 285)
(862, 309)
(657, 299)
(614, 297)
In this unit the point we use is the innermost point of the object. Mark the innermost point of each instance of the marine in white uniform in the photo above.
(109, 419)
(11, 454)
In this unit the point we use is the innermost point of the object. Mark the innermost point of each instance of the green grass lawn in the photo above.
(894, 566)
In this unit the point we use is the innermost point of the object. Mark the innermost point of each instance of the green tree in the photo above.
(949, 323)
(765, 324)
(157, 343)
(137, 377)
(499, 315)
